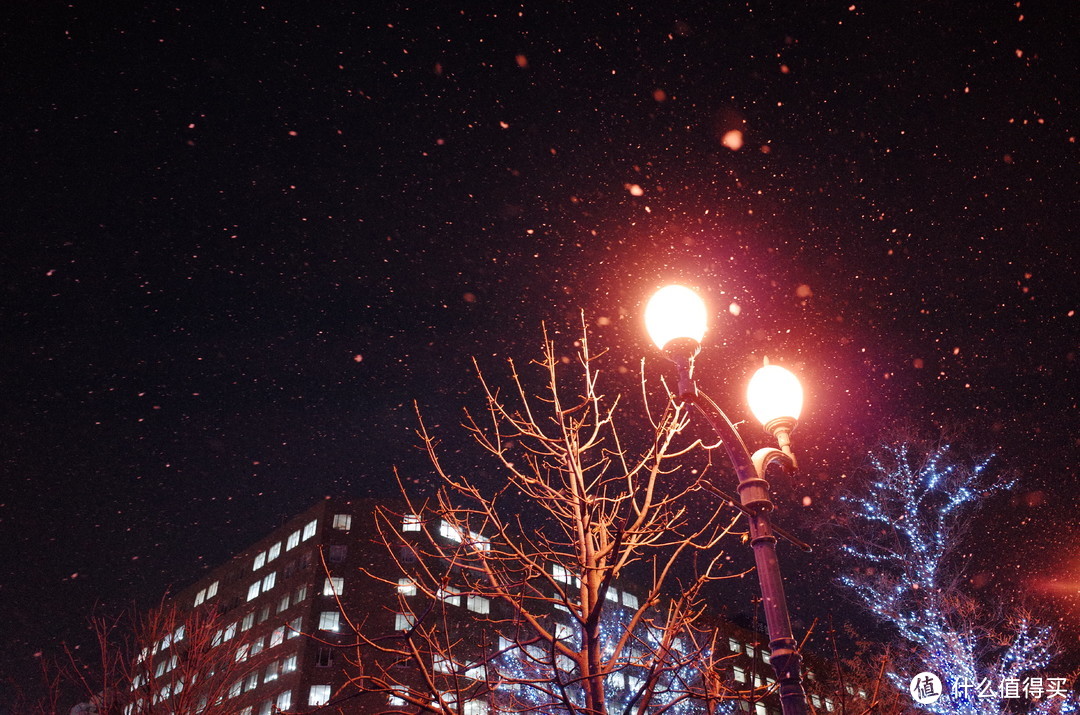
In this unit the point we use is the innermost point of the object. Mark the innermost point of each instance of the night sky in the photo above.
(240, 240)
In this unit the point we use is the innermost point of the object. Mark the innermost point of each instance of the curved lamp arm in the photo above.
(767, 455)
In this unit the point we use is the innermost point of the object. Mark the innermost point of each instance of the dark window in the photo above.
(324, 658)
(336, 553)
(306, 560)
(264, 613)
(289, 570)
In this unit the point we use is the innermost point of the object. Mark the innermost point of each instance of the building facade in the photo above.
(286, 611)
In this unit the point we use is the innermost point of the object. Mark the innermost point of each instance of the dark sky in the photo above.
(240, 241)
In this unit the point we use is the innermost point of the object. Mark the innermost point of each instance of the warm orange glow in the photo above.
(675, 312)
(773, 393)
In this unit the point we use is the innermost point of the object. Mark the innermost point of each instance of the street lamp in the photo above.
(675, 318)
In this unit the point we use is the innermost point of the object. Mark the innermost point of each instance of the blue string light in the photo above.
(905, 576)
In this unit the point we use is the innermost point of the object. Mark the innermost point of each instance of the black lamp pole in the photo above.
(756, 504)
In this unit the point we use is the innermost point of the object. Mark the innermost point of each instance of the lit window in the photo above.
(411, 523)
(309, 529)
(810, 675)
(765, 654)
(166, 641)
(284, 700)
(277, 637)
(289, 664)
(760, 709)
(230, 631)
(816, 700)
(829, 704)
(734, 646)
(406, 587)
(258, 645)
(329, 621)
(450, 595)
(561, 606)
(211, 590)
(160, 670)
(617, 681)
(301, 593)
(629, 600)
(475, 707)
(283, 603)
(395, 699)
(295, 627)
(253, 591)
(318, 695)
(477, 671)
(740, 674)
(244, 711)
(562, 631)
(342, 522)
(441, 664)
(266, 707)
(333, 586)
(216, 640)
(404, 621)
(242, 653)
(260, 561)
(447, 531)
(269, 580)
(293, 540)
(178, 635)
(273, 552)
(271, 673)
(251, 682)
(758, 682)
(479, 542)
(750, 650)
(234, 689)
(479, 604)
(200, 597)
(560, 573)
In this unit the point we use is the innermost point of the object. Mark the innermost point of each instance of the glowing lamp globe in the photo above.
(775, 397)
(675, 313)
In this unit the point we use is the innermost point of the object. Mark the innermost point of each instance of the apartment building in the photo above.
(280, 608)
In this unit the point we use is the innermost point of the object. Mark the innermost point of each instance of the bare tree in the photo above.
(570, 581)
(161, 661)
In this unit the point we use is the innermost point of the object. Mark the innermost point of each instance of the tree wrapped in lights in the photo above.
(514, 597)
(905, 538)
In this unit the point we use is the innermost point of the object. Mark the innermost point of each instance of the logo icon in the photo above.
(925, 688)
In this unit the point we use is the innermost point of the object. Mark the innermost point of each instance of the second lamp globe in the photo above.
(775, 394)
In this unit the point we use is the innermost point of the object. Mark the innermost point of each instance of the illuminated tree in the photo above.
(904, 547)
(551, 587)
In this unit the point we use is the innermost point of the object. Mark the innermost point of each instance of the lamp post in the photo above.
(675, 318)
